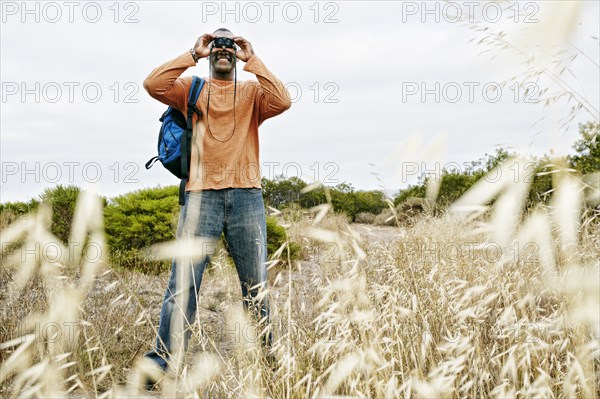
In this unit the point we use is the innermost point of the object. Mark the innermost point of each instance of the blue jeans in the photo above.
(239, 213)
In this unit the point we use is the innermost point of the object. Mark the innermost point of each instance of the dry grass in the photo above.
(482, 302)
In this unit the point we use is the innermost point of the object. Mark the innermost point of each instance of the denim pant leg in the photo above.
(201, 216)
(246, 236)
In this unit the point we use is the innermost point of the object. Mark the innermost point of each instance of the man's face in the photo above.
(222, 58)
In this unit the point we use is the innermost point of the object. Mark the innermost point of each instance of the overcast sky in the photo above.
(74, 111)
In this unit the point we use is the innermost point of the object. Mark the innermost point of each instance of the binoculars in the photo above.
(223, 42)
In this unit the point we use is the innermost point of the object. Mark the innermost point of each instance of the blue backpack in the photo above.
(174, 138)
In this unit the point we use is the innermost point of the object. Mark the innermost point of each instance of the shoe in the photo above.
(152, 374)
(150, 384)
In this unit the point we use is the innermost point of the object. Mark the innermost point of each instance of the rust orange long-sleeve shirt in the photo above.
(220, 159)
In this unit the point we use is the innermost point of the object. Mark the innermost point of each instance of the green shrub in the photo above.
(276, 236)
(587, 149)
(11, 211)
(455, 183)
(342, 199)
(369, 202)
(62, 199)
(540, 179)
(412, 191)
(281, 192)
(312, 198)
(19, 208)
(137, 220)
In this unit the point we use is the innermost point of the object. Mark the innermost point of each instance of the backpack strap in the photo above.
(195, 89)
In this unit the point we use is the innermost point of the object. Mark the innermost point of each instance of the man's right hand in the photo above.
(201, 47)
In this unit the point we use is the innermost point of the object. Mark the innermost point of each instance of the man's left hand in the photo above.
(246, 51)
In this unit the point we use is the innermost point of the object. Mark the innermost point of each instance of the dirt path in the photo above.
(378, 233)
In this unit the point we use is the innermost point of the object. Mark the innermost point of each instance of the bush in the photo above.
(19, 208)
(413, 191)
(455, 183)
(369, 202)
(11, 211)
(276, 236)
(281, 192)
(142, 218)
(587, 149)
(62, 199)
(540, 190)
(139, 219)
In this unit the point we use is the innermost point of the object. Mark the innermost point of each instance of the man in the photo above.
(224, 189)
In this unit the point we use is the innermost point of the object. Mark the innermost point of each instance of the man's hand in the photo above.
(246, 51)
(201, 47)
